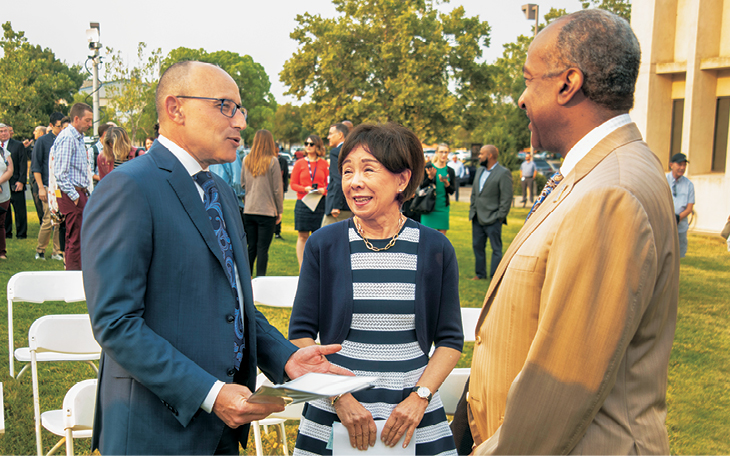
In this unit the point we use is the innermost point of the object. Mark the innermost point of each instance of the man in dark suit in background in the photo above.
(171, 305)
(491, 198)
(16, 149)
(335, 206)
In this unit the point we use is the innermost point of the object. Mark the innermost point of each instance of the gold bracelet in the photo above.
(335, 399)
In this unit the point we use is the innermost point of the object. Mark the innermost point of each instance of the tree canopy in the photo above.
(389, 60)
(252, 80)
(33, 83)
(132, 91)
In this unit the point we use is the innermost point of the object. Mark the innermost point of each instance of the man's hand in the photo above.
(18, 186)
(76, 202)
(233, 408)
(335, 213)
(26, 143)
(311, 359)
(42, 194)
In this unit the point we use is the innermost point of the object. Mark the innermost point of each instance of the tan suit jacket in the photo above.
(583, 307)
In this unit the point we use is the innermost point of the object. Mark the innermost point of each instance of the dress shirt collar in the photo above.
(589, 141)
(188, 161)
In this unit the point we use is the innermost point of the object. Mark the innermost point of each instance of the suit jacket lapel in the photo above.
(617, 138)
(187, 193)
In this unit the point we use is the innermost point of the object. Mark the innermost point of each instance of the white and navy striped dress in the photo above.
(381, 342)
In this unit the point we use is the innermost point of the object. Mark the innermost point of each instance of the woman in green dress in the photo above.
(443, 177)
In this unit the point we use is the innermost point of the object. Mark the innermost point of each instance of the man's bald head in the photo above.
(184, 78)
(491, 151)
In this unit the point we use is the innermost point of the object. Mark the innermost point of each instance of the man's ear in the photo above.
(173, 110)
(571, 85)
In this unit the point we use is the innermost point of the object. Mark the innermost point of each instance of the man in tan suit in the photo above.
(573, 342)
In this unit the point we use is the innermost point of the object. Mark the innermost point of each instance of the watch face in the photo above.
(423, 392)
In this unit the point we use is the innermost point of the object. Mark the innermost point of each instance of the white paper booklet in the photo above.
(311, 386)
(341, 443)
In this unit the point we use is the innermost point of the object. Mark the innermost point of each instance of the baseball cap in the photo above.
(678, 158)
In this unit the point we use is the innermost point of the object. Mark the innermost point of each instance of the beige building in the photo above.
(683, 95)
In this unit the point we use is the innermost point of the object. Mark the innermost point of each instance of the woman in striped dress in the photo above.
(386, 288)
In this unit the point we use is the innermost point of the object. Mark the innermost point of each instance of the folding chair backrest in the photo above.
(63, 333)
(452, 388)
(38, 287)
(275, 291)
(78, 405)
(42, 286)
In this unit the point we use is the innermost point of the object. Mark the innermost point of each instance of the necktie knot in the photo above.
(202, 177)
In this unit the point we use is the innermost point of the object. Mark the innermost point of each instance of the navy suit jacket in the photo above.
(335, 199)
(161, 308)
(20, 163)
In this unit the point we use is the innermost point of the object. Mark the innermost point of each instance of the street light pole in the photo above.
(92, 35)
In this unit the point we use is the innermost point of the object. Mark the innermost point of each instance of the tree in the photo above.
(33, 83)
(389, 60)
(288, 124)
(252, 80)
(619, 7)
(505, 124)
(131, 91)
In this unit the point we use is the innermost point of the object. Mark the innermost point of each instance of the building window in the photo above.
(677, 118)
(722, 123)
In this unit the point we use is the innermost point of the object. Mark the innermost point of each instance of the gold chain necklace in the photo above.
(370, 246)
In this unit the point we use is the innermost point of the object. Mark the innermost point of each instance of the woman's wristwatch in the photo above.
(423, 392)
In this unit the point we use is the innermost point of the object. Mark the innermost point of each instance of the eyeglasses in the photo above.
(308, 143)
(228, 107)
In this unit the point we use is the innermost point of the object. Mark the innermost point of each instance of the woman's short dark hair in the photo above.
(394, 146)
(318, 145)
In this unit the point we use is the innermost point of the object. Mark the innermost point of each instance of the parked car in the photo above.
(428, 154)
(543, 167)
(471, 169)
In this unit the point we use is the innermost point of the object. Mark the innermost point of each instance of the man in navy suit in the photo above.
(335, 206)
(170, 301)
(16, 149)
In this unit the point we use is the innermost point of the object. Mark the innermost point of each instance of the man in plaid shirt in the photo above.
(71, 168)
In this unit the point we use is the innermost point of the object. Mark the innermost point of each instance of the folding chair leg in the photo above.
(36, 404)
(10, 338)
(257, 438)
(69, 443)
(57, 446)
(283, 439)
(93, 366)
(17, 377)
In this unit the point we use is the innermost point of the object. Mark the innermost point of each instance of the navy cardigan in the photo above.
(324, 299)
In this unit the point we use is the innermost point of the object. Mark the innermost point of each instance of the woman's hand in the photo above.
(358, 421)
(308, 188)
(431, 171)
(404, 420)
(321, 190)
(445, 180)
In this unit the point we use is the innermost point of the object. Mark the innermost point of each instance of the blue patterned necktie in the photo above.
(212, 204)
(551, 184)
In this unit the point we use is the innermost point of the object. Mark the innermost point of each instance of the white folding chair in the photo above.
(76, 419)
(69, 338)
(275, 291)
(469, 318)
(2, 409)
(452, 388)
(38, 287)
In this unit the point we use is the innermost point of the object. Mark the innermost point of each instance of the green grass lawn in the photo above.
(699, 373)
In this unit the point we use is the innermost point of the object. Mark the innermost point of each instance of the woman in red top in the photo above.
(310, 175)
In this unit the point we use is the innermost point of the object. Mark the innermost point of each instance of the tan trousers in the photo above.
(44, 235)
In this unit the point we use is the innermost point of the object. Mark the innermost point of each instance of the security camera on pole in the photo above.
(92, 35)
